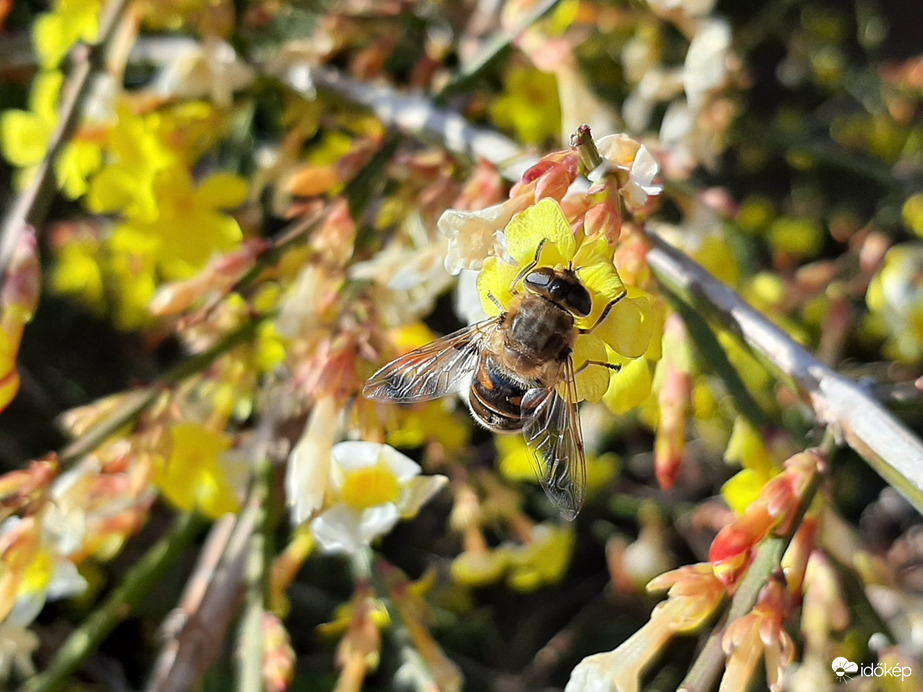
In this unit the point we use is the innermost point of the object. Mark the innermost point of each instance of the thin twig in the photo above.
(494, 47)
(175, 630)
(852, 413)
(259, 562)
(119, 606)
(199, 642)
(31, 205)
(137, 402)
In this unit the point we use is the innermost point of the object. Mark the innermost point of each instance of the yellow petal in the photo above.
(112, 189)
(49, 36)
(630, 387)
(495, 281)
(9, 378)
(595, 251)
(630, 325)
(542, 221)
(75, 164)
(23, 137)
(515, 458)
(222, 190)
(605, 286)
(45, 95)
(742, 489)
(592, 380)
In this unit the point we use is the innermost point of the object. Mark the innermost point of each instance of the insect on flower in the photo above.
(519, 367)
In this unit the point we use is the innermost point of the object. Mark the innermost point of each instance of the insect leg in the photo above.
(529, 267)
(614, 367)
(493, 299)
(604, 314)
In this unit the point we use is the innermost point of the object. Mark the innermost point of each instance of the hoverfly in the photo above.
(514, 365)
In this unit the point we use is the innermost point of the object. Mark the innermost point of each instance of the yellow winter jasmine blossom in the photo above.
(190, 226)
(895, 301)
(543, 560)
(515, 463)
(544, 226)
(25, 136)
(747, 448)
(70, 22)
(530, 105)
(194, 476)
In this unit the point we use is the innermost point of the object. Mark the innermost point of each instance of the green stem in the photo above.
(493, 48)
(137, 402)
(118, 607)
(711, 659)
(259, 564)
(712, 353)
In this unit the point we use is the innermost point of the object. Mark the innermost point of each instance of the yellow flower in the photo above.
(543, 560)
(25, 135)
(195, 476)
(18, 301)
(430, 422)
(912, 213)
(515, 463)
(179, 250)
(9, 377)
(626, 330)
(530, 106)
(895, 301)
(480, 568)
(71, 21)
(77, 271)
(747, 448)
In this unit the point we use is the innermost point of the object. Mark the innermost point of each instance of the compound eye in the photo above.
(579, 302)
(540, 279)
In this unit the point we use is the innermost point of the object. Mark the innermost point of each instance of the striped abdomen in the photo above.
(495, 398)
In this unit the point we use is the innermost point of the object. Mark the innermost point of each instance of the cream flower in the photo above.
(705, 67)
(308, 469)
(372, 486)
(629, 155)
(476, 235)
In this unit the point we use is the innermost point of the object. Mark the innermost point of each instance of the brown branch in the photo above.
(839, 402)
(196, 631)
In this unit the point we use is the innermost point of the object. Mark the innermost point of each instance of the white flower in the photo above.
(476, 235)
(373, 486)
(308, 470)
(411, 279)
(705, 67)
(595, 674)
(210, 70)
(693, 8)
(16, 646)
(468, 304)
(625, 153)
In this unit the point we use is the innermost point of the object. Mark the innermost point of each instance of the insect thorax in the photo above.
(540, 331)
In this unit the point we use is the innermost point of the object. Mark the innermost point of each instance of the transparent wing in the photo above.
(555, 440)
(430, 371)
